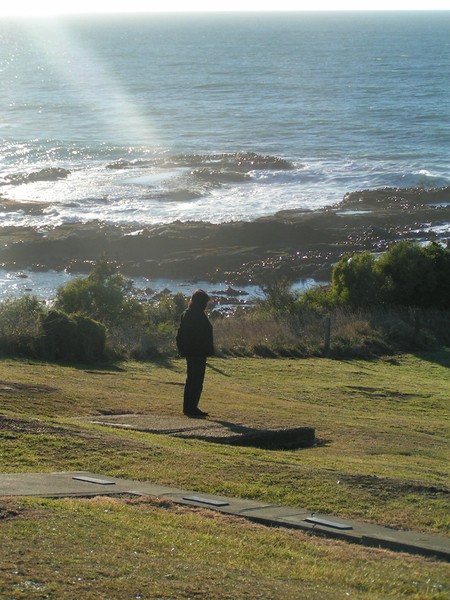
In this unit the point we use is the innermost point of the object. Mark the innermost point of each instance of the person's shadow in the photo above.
(237, 428)
(268, 439)
(216, 370)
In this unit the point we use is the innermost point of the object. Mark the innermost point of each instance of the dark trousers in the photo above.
(196, 367)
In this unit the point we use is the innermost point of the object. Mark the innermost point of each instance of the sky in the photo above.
(49, 7)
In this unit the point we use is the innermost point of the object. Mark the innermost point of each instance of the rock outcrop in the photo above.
(295, 243)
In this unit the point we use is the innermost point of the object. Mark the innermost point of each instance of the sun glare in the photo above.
(90, 79)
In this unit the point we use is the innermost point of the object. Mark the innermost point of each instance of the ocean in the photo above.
(150, 119)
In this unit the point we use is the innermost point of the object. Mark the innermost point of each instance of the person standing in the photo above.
(195, 343)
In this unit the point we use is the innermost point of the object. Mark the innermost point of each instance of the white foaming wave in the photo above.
(155, 178)
(20, 219)
(146, 194)
(229, 203)
(411, 179)
(431, 178)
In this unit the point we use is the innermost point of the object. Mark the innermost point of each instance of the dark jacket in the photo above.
(195, 334)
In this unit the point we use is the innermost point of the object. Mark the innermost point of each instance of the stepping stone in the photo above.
(219, 432)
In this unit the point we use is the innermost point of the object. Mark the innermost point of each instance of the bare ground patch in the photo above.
(11, 508)
(16, 425)
(11, 387)
(8, 510)
(29, 426)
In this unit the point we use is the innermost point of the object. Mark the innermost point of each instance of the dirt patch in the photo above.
(12, 508)
(8, 510)
(15, 425)
(12, 387)
(28, 426)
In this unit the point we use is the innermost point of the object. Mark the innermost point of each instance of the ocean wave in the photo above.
(122, 164)
(192, 176)
(181, 195)
(414, 179)
(50, 174)
(218, 176)
(235, 161)
(198, 183)
(188, 177)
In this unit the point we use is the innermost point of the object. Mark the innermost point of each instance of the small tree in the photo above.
(319, 299)
(439, 258)
(278, 297)
(416, 275)
(104, 295)
(406, 275)
(356, 281)
(167, 309)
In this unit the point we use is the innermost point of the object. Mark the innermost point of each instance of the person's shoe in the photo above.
(201, 413)
(196, 414)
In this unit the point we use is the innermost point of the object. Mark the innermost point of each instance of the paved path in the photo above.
(86, 484)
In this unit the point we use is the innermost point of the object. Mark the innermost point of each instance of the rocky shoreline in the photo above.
(297, 244)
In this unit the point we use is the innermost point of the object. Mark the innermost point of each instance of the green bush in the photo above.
(72, 338)
(397, 302)
(90, 339)
(416, 275)
(19, 325)
(356, 281)
(320, 300)
(278, 297)
(104, 295)
(167, 309)
(407, 275)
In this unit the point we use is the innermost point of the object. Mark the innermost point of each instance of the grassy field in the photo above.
(382, 457)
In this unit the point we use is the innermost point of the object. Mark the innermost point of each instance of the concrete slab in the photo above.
(376, 536)
(87, 484)
(72, 483)
(232, 506)
(210, 430)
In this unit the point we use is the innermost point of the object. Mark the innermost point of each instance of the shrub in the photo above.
(19, 325)
(167, 309)
(320, 299)
(416, 275)
(263, 334)
(278, 297)
(356, 281)
(90, 339)
(104, 295)
(406, 275)
(72, 338)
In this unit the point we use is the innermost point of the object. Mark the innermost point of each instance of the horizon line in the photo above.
(220, 12)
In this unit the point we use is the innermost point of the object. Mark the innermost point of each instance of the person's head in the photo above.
(199, 300)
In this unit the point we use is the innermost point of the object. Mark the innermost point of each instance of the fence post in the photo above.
(327, 337)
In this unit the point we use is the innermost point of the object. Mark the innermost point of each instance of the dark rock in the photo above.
(296, 244)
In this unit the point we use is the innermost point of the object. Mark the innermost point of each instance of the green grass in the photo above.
(111, 548)
(382, 457)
